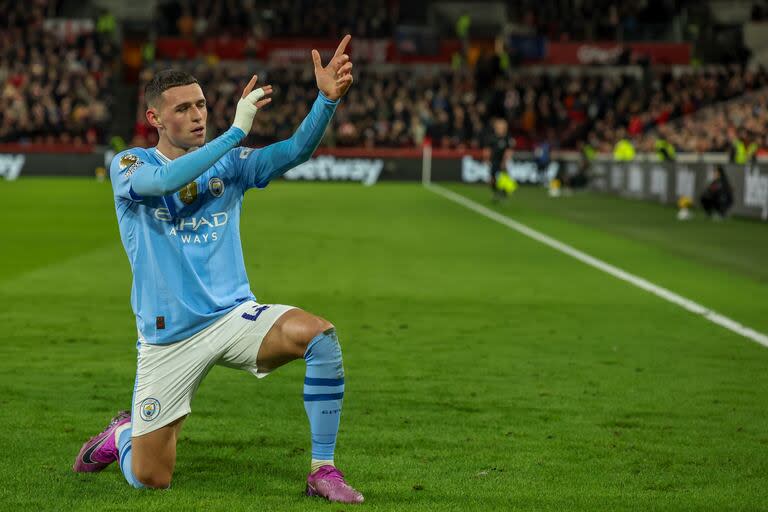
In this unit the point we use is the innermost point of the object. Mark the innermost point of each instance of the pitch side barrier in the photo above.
(667, 182)
(366, 166)
(643, 179)
(342, 164)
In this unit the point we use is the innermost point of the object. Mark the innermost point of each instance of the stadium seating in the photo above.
(642, 109)
(276, 18)
(57, 85)
(714, 128)
(55, 80)
(592, 19)
(556, 19)
(399, 107)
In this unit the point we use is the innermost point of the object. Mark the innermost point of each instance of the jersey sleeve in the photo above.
(255, 168)
(134, 178)
(124, 165)
(247, 168)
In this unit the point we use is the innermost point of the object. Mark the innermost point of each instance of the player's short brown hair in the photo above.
(164, 80)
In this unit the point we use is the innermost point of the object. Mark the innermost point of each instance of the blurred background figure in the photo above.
(717, 198)
(498, 151)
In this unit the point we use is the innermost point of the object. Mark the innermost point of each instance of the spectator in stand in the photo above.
(743, 149)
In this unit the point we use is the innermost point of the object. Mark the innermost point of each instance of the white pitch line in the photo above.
(693, 307)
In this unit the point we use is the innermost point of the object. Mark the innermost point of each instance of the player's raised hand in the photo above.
(266, 91)
(334, 79)
(250, 102)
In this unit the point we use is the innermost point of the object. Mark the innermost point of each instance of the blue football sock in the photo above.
(124, 454)
(324, 392)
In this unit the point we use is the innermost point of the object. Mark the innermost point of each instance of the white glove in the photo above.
(246, 110)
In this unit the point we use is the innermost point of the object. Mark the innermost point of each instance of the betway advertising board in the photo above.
(369, 171)
(665, 183)
(329, 168)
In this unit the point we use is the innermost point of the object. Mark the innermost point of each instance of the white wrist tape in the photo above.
(246, 110)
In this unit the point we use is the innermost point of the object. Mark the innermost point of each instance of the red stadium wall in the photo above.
(582, 53)
(385, 50)
(295, 50)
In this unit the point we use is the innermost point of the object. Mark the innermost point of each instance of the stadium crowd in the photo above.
(399, 108)
(643, 111)
(589, 20)
(276, 18)
(555, 19)
(395, 108)
(718, 127)
(55, 88)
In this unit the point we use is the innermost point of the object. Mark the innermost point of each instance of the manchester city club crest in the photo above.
(149, 409)
(216, 186)
(188, 194)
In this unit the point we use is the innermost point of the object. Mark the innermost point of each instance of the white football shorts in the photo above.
(167, 376)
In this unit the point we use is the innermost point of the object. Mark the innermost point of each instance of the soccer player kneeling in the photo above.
(178, 209)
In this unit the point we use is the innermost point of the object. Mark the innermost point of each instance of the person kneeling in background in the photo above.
(717, 198)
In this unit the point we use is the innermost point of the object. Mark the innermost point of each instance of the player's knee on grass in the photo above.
(153, 478)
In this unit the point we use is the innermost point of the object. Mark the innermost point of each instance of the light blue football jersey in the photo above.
(184, 247)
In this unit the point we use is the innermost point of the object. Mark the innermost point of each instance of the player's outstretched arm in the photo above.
(148, 180)
(333, 81)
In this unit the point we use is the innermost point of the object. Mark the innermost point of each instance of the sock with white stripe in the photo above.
(323, 394)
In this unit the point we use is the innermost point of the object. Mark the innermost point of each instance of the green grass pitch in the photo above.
(485, 371)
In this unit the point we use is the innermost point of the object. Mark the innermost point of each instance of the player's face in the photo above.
(500, 127)
(182, 115)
